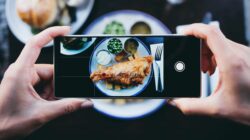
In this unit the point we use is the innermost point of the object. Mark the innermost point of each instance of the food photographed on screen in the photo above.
(127, 73)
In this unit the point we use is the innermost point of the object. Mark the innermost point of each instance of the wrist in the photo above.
(16, 127)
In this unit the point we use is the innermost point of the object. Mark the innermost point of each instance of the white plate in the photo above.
(133, 91)
(74, 52)
(128, 111)
(127, 18)
(23, 31)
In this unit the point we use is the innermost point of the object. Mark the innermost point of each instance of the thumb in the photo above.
(65, 106)
(194, 106)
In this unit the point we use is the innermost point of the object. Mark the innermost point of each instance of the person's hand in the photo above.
(231, 98)
(26, 89)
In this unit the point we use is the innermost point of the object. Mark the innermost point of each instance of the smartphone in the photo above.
(136, 66)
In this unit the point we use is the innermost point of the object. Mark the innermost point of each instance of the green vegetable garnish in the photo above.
(115, 28)
(115, 46)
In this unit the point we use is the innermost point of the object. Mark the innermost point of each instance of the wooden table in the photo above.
(168, 122)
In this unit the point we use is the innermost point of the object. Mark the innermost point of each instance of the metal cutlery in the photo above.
(158, 55)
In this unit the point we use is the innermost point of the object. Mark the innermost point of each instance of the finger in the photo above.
(44, 75)
(214, 38)
(65, 106)
(45, 71)
(205, 58)
(194, 106)
(48, 91)
(32, 49)
(212, 65)
(204, 64)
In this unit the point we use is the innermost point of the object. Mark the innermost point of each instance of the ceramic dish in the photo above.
(132, 91)
(124, 109)
(23, 32)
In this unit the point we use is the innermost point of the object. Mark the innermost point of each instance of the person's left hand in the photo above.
(26, 89)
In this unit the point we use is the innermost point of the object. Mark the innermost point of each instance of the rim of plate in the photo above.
(106, 38)
(11, 24)
(162, 101)
(90, 27)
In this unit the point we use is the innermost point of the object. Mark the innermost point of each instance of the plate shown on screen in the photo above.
(136, 108)
(23, 32)
(132, 91)
(85, 46)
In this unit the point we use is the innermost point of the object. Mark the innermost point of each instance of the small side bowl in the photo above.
(110, 62)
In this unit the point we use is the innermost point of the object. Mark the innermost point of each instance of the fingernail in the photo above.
(68, 28)
(180, 30)
(209, 73)
(87, 103)
(171, 102)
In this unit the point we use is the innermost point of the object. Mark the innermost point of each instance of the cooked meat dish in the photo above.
(125, 73)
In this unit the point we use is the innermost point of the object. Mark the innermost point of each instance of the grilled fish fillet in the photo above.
(126, 73)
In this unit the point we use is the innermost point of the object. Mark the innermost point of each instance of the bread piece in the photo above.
(38, 13)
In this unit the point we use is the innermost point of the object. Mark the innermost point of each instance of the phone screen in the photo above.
(127, 66)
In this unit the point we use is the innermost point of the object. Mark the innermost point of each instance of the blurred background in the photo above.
(125, 17)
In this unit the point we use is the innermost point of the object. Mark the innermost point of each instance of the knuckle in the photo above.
(212, 30)
(185, 110)
(41, 119)
(12, 72)
(69, 108)
(16, 73)
(50, 29)
(37, 118)
(237, 64)
(31, 41)
(11, 66)
(35, 41)
(215, 111)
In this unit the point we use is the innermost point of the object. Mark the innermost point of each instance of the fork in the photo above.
(158, 54)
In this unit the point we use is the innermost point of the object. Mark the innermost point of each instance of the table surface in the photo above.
(167, 122)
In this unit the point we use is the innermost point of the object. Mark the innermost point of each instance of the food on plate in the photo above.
(75, 43)
(37, 13)
(122, 56)
(115, 46)
(120, 102)
(109, 85)
(140, 28)
(103, 57)
(114, 28)
(131, 46)
(40, 14)
(125, 73)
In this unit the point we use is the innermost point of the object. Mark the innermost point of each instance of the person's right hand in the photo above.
(231, 98)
